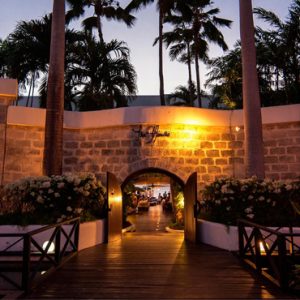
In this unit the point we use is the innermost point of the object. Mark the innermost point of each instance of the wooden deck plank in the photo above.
(154, 266)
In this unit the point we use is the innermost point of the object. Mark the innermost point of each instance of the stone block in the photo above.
(227, 153)
(71, 160)
(236, 160)
(207, 161)
(227, 137)
(213, 137)
(212, 153)
(100, 144)
(71, 145)
(285, 142)
(191, 161)
(235, 144)
(289, 176)
(221, 161)
(206, 145)
(214, 169)
(86, 145)
(270, 143)
(220, 145)
(185, 152)
(280, 168)
(107, 152)
(295, 168)
(271, 159)
(199, 153)
(113, 144)
(293, 150)
(278, 150)
(126, 143)
(287, 159)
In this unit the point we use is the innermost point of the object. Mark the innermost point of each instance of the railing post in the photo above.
(76, 233)
(257, 239)
(57, 245)
(241, 239)
(26, 262)
(283, 280)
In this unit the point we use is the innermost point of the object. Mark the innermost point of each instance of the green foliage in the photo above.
(52, 199)
(262, 201)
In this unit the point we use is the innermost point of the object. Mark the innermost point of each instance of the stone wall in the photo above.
(211, 148)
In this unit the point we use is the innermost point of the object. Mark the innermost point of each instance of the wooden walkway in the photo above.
(154, 266)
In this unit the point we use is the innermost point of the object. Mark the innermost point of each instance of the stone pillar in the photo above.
(8, 93)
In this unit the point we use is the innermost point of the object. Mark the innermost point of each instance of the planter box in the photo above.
(90, 234)
(226, 237)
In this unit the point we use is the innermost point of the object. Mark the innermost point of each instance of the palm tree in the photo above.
(103, 74)
(225, 79)
(53, 150)
(182, 95)
(109, 9)
(204, 25)
(163, 7)
(179, 40)
(254, 152)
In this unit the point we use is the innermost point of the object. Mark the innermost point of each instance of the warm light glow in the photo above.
(51, 248)
(118, 199)
(237, 128)
(261, 247)
(192, 122)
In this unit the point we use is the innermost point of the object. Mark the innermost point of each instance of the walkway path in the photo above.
(153, 220)
(154, 266)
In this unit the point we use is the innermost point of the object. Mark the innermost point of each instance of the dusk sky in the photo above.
(140, 38)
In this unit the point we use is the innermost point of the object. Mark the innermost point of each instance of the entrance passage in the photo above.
(152, 201)
(154, 266)
(152, 220)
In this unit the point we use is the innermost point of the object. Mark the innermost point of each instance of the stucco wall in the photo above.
(200, 140)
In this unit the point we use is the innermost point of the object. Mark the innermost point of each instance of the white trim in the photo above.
(26, 116)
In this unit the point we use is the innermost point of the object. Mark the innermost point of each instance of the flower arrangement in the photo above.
(267, 202)
(52, 199)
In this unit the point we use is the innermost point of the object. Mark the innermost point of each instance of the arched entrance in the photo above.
(149, 186)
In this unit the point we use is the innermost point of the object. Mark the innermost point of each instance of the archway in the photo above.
(153, 199)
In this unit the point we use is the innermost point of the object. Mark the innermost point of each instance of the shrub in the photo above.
(53, 199)
(266, 202)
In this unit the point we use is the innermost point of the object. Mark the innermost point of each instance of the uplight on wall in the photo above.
(237, 128)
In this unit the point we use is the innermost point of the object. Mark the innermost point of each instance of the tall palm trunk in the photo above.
(161, 73)
(254, 152)
(198, 80)
(190, 73)
(196, 28)
(53, 153)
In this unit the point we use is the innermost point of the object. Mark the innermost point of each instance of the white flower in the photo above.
(224, 189)
(250, 197)
(250, 216)
(261, 198)
(288, 187)
(248, 210)
(218, 202)
(228, 208)
(40, 199)
(50, 191)
(268, 200)
(61, 185)
(244, 188)
(46, 184)
(225, 199)
(56, 195)
(69, 208)
(69, 198)
(78, 210)
(77, 181)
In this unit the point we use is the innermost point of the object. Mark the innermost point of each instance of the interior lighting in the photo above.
(237, 128)
(262, 248)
